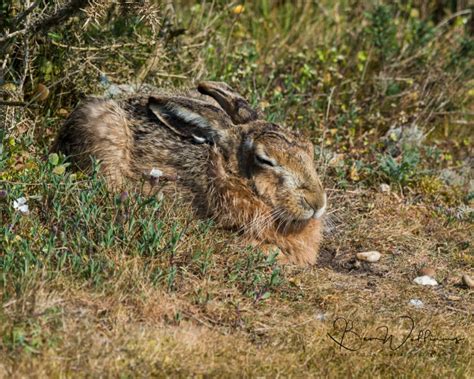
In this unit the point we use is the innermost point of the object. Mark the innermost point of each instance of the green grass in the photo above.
(94, 283)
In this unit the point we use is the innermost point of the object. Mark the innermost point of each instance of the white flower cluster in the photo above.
(21, 205)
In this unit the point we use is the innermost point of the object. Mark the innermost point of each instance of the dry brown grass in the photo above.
(136, 329)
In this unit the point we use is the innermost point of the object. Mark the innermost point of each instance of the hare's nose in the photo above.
(322, 208)
(317, 202)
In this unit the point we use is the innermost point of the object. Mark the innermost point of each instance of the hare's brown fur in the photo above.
(245, 173)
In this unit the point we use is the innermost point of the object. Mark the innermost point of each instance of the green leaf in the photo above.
(59, 170)
(55, 36)
(266, 295)
(53, 159)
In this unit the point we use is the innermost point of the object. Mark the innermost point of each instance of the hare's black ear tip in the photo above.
(203, 87)
(156, 100)
(208, 87)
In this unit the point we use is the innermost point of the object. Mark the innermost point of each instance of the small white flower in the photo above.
(21, 205)
(156, 173)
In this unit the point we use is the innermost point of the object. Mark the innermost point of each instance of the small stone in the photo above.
(468, 281)
(63, 112)
(384, 187)
(156, 173)
(369, 256)
(321, 316)
(425, 280)
(427, 271)
(416, 303)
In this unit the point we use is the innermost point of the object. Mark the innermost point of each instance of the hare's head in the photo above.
(280, 165)
(276, 164)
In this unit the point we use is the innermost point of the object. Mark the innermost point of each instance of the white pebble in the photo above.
(416, 303)
(156, 173)
(369, 256)
(425, 280)
(321, 316)
(468, 281)
(384, 187)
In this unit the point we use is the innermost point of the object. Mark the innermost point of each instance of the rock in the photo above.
(63, 112)
(156, 173)
(384, 187)
(427, 271)
(321, 316)
(416, 303)
(425, 280)
(369, 256)
(468, 281)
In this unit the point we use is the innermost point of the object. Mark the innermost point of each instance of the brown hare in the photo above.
(247, 174)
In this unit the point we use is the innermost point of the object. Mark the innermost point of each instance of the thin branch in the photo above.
(13, 34)
(21, 16)
(14, 103)
(47, 22)
(61, 15)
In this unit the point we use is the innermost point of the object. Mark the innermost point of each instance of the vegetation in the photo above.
(94, 283)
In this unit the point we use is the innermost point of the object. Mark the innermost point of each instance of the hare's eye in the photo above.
(264, 161)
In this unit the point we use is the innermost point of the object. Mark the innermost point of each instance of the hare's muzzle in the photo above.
(317, 201)
(322, 207)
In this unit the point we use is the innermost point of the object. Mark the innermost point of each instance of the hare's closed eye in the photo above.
(264, 160)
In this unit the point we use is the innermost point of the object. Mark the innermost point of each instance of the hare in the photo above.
(248, 174)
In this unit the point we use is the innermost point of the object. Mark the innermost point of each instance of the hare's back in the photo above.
(97, 128)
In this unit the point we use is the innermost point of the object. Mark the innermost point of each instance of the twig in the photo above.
(21, 16)
(45, 23)
(458, 113)
(26, 56)
(165, 75)
(93, 48)
(14, 103)
(61, 15)
(13, 34)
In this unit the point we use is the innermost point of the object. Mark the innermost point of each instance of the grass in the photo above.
(94, 283)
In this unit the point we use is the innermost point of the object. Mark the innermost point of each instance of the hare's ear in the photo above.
(190, 118)
(235, 105)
